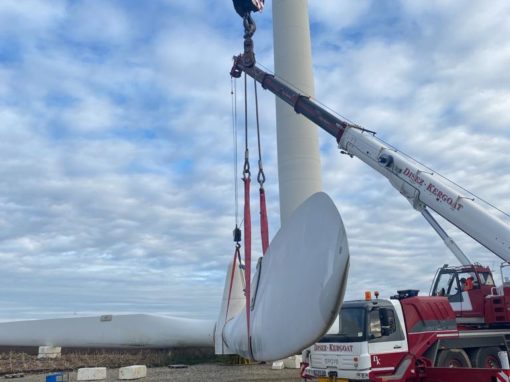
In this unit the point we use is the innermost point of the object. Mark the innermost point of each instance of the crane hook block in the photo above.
(243, 7)
(237, 234)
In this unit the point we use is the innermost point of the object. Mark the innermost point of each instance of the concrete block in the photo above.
(16, 375)
(49, 352)
(277, 365)
(293, 362)
(91, 374)
(133, 372)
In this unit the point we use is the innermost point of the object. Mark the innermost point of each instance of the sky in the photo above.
(117, 157)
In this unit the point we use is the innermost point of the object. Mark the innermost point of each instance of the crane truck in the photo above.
(461, 331)
(421, 338)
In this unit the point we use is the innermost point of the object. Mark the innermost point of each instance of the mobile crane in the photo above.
(407, 338)
(411, 337)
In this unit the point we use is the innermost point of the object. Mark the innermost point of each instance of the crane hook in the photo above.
(244, 9)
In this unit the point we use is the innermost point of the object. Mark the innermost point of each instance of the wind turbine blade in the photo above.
(298, 287)
(124, 331)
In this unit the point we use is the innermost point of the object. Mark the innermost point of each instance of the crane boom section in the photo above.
(301, 104)
(424, 188)
(420, 186)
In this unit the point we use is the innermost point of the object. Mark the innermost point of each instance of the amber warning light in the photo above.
(368, 296)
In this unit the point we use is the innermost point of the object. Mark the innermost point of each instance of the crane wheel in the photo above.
(453, 358)
(487, 358)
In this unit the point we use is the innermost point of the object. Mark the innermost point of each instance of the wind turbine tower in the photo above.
(297, 138)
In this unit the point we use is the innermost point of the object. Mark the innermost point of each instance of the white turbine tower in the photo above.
(298, 144)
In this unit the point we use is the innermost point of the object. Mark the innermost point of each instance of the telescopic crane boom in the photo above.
(419, 185)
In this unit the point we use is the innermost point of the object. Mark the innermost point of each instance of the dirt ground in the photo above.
(196, 373)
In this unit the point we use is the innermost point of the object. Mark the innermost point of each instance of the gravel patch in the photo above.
(197, 373)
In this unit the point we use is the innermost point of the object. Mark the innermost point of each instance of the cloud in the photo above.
(98, 22)
(29, 16)
(333, 15)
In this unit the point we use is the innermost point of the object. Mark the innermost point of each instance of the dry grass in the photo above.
(21, 362)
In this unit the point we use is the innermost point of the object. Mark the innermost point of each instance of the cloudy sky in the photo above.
(116, 176)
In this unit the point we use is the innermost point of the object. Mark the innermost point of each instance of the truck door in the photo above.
(387, 344)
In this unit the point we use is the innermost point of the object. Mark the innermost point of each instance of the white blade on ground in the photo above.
(298, 287)
(232, 303)
(125, 331)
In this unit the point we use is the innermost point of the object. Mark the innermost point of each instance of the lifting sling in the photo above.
(247, 215)
(261, 178)
(264, 230)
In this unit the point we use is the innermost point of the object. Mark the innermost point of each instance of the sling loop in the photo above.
(261, 178)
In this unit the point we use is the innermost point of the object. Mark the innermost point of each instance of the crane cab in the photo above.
(473, 295)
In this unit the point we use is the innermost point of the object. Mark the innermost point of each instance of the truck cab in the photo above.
(473, 295)
(368, 336)
(406, 338)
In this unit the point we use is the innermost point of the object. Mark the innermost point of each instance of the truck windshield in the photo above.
(350, 326)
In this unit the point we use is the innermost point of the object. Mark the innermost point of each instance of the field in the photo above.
(198, 373)
(201, 366)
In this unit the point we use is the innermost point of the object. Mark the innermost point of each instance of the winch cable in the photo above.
(247, 217)
(233, 92)
(237, 231)
(261, 178)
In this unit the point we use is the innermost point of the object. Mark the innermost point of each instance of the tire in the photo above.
(487, 358)
(453, 358)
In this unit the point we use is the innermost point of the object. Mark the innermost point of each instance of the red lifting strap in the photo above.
(247, 251)
(236, 254)
(264, 227)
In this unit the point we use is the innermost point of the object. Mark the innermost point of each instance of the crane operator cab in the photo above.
(473, 295)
